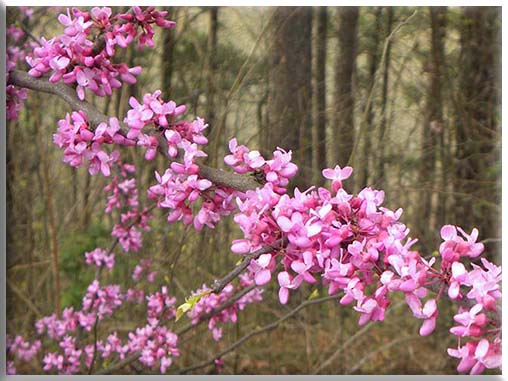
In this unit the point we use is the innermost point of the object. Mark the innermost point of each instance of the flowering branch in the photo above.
(22, 79)
(135, 356)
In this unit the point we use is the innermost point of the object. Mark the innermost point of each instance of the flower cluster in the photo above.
(143, 269)
(179, 192)
(478, 289)
(122, 190)
(14, 54)
(180, 187)
(355, 245)
(156, 344)
(56, 328)
(210, 302)
(99, 258)
(123, 196)
(276, 171)
(68, 362)
(99, 302)
(84, 54)
(160, 306)
(81, 143)
(20, 349)
(153, 110)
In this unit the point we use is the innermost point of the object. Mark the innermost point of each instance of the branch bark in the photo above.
(219, 177)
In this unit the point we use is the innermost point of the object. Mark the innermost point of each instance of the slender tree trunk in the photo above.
(211, 67)
(478, 132)
(343, 119)
(168, 54)
(373, 58)
(48, 193)
(319, 123)
(289, 99)
(384, 100)
(433, 126)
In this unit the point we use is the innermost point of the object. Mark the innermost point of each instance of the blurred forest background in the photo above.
(408, 96)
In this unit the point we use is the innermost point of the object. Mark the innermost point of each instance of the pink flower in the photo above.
(337, 175)
(240, 246)
(285, 283)
(370, 310)
(150, 142)
(262, 268)
(471, 322)
(302, 269)
(459, 276)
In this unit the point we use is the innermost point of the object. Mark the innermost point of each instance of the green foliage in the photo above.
(72, 264)
(314, 294)
(189, 304)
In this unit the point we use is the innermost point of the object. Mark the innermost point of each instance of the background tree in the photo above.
(433, 129)
(290, 73)
(477, 121)
(343, 117)
(320, 109)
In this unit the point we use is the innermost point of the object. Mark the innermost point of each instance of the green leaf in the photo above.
(183, 308)
(189, 304)
(314, 295)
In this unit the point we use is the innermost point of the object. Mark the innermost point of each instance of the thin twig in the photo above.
(387, 43)
(27, 301)
(29, 34)
(94, 344)
(348, 342)
(207, 316)
(259, 331)
(177, 257)
(384, 347)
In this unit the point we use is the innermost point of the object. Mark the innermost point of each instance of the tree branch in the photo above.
(219, 177)
(65, 92)
(219, 285)
(222, 307)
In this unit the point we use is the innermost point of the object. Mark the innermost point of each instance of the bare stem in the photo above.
(259, 331)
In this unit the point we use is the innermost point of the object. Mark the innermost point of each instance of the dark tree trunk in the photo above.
(343, 120)
(289, 99)
(319, 122)
(478, 131)
(168, 53)
(433, 128)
